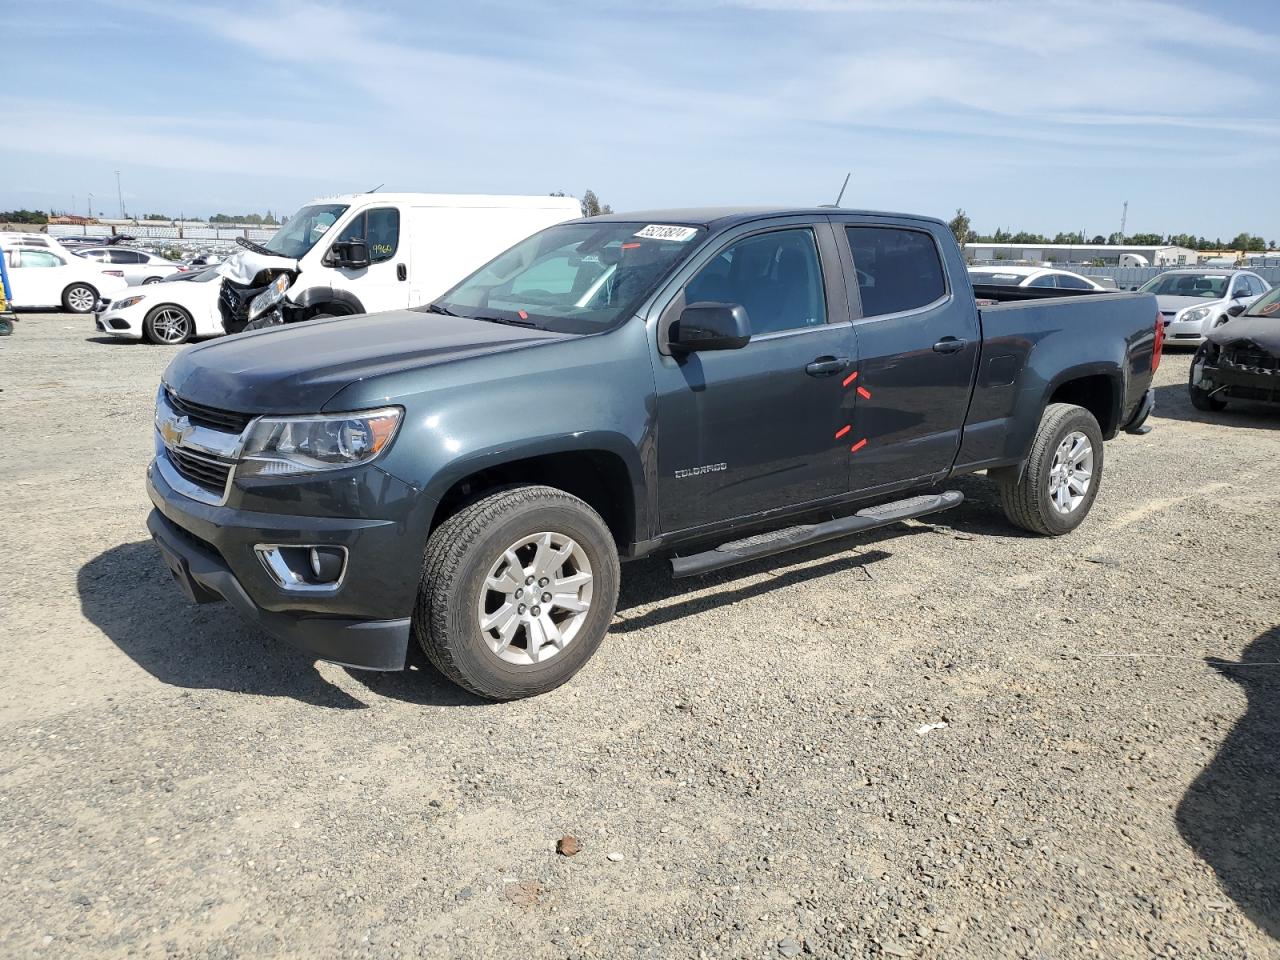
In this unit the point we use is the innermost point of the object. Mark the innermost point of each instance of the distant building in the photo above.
(1065, 253)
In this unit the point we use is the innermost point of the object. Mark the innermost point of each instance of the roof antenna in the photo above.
(377, 188)
(840, 195)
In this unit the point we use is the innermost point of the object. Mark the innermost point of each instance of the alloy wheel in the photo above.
(1071, 472)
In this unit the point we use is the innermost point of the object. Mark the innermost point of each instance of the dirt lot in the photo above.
(742, 762)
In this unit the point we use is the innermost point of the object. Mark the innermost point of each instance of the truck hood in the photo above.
(242, 267)
(1262, 331)
(1170, 304)
(298, 368)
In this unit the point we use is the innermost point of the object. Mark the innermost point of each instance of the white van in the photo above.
(367, 252)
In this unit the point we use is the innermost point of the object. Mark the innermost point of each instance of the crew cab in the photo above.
(710, 386)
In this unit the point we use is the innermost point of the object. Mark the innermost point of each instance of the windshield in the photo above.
(1267, 305)
(996, 279)
(1211, 286)
(574, 277)
(304, 230)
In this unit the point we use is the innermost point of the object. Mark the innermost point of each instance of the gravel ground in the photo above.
(754, 765)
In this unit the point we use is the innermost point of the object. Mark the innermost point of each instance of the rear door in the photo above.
(743, 432)
(918, 343)
(384, 283)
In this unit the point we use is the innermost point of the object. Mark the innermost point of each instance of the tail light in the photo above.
(1158, 349)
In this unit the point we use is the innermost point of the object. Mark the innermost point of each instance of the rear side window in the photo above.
(380, 230)
(1072, 283)
(898, 269)
(1044, 280)
(126, 256)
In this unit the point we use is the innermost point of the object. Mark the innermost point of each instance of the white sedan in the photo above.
(1033, 277)
(138, 266)
(171, 312)
(44, 277)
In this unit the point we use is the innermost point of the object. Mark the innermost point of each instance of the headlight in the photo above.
(281, 446)
(1196, 314)
(126, 302)
(269, 297)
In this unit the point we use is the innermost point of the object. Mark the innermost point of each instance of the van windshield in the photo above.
(574, 277)
(304, 229)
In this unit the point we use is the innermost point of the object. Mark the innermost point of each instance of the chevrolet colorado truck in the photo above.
(712, 386)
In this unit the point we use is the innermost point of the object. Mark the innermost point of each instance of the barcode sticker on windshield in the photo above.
(658, 231)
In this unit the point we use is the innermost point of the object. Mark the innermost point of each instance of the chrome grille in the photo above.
(209, 473)
(229, 421)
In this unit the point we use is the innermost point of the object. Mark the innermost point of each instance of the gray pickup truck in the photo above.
(708, 385)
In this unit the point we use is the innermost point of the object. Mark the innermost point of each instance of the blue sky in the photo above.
(1031, 115)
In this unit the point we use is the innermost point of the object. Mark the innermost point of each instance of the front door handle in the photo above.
(826, 366)
(402, 272)
(950, 345)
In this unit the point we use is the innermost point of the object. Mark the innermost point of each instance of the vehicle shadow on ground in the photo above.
(128, 593)
(1174, 403)
(1230, 815)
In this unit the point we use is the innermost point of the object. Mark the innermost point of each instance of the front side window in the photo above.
(380, 230)
(776, 276)
(98, 255)
(574, 277)
(38, 258)
(305, 229)
(995, 278)
(898, 269)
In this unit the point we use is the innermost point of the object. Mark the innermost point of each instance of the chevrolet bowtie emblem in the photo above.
(175, 431)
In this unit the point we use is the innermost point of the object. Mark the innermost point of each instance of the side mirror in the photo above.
(1236, 309)
(711, 326)
(353, 253)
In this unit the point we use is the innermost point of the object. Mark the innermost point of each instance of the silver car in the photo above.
(1193, 302)
(137, 266)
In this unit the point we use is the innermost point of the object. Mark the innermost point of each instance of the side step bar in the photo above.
(780, 541)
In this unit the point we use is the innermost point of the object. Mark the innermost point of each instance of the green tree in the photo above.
(1146, 239)
(23, 216)
(1098, 240)
(960, 227)
(157, 216)
(591, 205)
(1247, 241)
(270, 219)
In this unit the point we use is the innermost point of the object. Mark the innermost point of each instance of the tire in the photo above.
(465, 572)
(1027, 500)
(1202, 399)
(79, 298)
(168, 324)
(151, 280)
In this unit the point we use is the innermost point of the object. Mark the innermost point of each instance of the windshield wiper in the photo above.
(255, 247)
(506, 320)
(436, 308)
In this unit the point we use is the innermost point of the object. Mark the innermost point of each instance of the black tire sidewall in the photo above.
(1078, 420)
(459, 595)
(1200, 398)
(66, 298)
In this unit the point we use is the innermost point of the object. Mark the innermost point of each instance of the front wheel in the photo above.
(1201, 398)
(168, 324)
(79, 298)
(517, 592)
(1060, 482)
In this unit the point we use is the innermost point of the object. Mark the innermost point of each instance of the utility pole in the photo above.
(119, 195)
(1124, 217)
(91, 206)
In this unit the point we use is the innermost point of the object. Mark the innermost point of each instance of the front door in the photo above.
(384, 283)
(746, 431)
(918, 344)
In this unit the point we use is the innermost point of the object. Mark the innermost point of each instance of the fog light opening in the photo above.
(304, 568)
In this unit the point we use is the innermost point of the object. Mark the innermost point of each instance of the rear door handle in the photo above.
(826, 366)
(950, 345)
(402, 272)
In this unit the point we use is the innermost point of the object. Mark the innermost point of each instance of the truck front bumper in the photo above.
(211, 552)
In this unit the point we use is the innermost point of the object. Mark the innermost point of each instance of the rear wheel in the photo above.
(151, 280)
(517, 592)
(79, 298)
(1061, 478)
(168, 324)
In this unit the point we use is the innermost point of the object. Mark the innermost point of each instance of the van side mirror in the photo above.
(353, 253)
(711, 326)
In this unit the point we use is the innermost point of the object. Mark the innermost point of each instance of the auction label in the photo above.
(658, 231)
